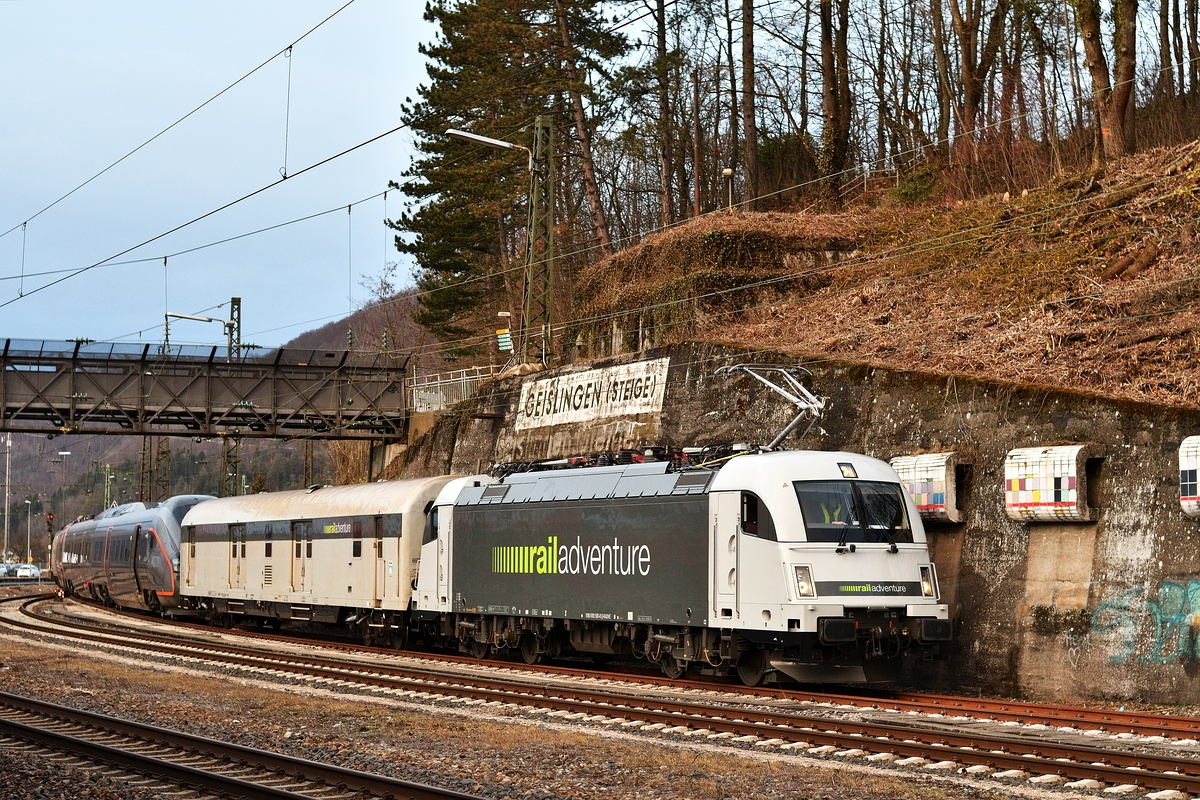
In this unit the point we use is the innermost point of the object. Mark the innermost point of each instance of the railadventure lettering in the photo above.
(337, 527)
(553, 558)
(873, 588)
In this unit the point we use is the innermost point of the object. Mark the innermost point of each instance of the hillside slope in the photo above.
(1089, 283)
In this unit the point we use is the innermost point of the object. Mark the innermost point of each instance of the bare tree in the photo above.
(749, 124)
(583, 133)
(1113, 99)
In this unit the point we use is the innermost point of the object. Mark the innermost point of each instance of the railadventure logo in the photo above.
(553, 558)
(872, 588)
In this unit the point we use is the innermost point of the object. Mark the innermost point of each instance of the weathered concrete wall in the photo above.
(1066, 610)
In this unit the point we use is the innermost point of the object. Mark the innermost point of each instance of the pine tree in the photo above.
(495, 65)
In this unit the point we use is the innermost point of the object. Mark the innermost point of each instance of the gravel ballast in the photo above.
(479, 750)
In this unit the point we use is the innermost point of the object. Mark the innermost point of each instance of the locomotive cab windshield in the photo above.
(853, 511)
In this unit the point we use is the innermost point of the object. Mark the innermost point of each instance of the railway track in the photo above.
(1107, 720)
(166, 760)
(908, 739)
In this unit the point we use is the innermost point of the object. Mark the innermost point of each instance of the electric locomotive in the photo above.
(809, 565)
(127, 556)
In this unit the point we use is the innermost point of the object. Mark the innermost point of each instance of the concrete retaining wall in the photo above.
(1102, 609)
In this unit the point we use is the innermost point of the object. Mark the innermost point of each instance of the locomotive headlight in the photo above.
(928, 586)
(804, 582)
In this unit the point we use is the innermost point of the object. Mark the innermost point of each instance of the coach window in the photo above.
(756, 519)
(358, 540)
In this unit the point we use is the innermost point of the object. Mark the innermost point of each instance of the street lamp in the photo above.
(28, 531)
(728, 173)
(487, 141)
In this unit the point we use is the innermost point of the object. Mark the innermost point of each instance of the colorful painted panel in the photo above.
(1189, 487)
(929, 479)
(1048, 484)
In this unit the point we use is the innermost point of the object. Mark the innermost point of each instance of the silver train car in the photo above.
(128, 556)
(805, 565)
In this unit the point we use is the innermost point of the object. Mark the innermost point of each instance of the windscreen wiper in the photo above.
(854, 515)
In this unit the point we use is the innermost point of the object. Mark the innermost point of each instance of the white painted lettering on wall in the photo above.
(597, 393)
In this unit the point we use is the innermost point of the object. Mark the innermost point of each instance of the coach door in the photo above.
(301, 556)
(141, 558)
(725, 540)
(380, 586)
(237, 556)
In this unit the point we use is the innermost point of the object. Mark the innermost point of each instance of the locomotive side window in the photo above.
(191, 537)
(853, 511)
(756, 518)
(357, 540)
(267, 546)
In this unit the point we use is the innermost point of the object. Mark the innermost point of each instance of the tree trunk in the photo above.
(584, 133)
(1164, 85)
(734, 141)
(1193, 45)
(975, 63)
(1113, 106)
(697, 150)
(749, 124)
(1177, 39)
(664, 119)
(835, 105)
(945, 95)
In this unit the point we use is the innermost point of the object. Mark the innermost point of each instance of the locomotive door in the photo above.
(725, 542)
(301, 555)
(237, 556)
(380, 585)
(443, 553)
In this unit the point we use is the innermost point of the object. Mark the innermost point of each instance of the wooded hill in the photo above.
(1091, 282)
(828, 105)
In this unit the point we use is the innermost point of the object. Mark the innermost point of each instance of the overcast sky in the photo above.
(83, 83)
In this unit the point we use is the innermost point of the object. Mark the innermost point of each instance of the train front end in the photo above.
(820, 564)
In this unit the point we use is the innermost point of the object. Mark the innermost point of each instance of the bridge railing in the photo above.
(445, 389)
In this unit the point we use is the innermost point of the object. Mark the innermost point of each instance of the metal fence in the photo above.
(445, 389)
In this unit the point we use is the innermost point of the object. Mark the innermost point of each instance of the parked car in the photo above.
(8, 570)
(28, 571)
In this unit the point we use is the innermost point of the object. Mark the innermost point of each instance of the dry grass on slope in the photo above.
(1016, 289)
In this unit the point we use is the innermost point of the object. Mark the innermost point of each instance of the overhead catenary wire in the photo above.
(801, 185)
(287, 114)
(899, 330)
(590, 248)
(177, 122)
(354, 148)
(926, 247)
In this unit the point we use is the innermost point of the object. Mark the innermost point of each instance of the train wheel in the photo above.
(400, 638)
(480, 649)
(529, 652)
(751, 666)
(671, 666)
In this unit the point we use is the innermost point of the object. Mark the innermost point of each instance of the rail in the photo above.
(445, 389)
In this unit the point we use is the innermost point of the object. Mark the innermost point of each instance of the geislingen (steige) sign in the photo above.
(624, 390)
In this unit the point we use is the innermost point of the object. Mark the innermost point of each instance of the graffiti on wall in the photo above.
(1152, 626)
(1075, 644)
